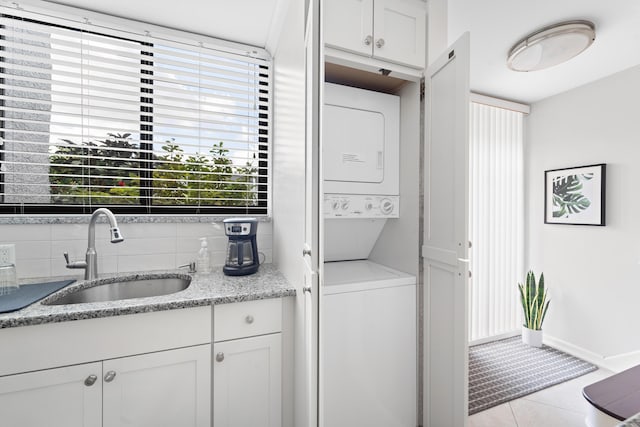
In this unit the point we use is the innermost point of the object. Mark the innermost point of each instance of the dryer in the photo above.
(361, 141)
(361, 149)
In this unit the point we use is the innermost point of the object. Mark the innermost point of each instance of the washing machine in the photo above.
(368, 352)
(369, 346)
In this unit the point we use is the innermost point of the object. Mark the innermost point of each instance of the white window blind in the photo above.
(496, 220)
(101, 117)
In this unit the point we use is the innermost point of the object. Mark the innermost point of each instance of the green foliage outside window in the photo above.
(110, 172)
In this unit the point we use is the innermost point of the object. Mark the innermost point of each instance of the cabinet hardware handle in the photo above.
(379, 43)
(306, 252)
(249, 319)
(368, 40)
(220, 357)
(306, 289)
(90, 380)
(109, 376)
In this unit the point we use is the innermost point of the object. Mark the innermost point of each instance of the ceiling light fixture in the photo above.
(551, 45)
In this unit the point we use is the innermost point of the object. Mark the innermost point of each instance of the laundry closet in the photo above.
(370, 151)
(383, 326)
(368, 315)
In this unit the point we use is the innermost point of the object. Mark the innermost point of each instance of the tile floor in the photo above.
(558, 406)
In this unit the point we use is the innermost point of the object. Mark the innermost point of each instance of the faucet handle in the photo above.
(191, 265)
(74, 264)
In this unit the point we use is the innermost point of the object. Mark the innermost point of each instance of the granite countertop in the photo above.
(205, 289)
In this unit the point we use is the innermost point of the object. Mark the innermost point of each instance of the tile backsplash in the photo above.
(147, 246)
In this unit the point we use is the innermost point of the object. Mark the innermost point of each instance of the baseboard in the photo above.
(495, 337)
(616, 363)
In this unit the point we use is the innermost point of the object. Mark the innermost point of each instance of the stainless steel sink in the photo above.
(114, 289)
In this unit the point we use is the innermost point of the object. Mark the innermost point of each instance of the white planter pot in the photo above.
(532, 337)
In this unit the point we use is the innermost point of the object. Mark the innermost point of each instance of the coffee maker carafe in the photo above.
(242, 251)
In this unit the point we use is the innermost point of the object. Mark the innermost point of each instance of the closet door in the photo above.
(446, 239)
(307, 399)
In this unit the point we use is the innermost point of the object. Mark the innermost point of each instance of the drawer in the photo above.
(30, 348)
(246, 319)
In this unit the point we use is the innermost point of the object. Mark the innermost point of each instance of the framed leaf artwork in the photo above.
(575, 195)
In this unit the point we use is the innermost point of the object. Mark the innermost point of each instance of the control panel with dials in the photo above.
(361, 206)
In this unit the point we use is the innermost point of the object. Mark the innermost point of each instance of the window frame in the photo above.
(62, 17)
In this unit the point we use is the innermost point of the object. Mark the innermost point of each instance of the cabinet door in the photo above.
(348, 25)
(446, 238)
(400, 32)
(61, 397)
(168, 388)
(247, 382)
(306, 339)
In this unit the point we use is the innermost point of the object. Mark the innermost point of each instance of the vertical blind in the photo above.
(101, 117)
(496, 220)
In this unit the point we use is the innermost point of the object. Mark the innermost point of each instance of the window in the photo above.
(496, 220)
(94, 117)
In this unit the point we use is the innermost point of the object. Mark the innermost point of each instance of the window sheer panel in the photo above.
(496, 220)
(93, 118)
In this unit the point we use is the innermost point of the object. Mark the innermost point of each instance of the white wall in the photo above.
(147, 246)
(592, 272)
(288, 180)
(398, 245)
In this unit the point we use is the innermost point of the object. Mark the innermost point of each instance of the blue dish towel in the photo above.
(28, 294)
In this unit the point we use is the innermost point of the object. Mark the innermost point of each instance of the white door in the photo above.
(61, 397)
(164, 389)
(399, 32)
(446, 239)
(349, 25)
(247, 382)
(307, 394)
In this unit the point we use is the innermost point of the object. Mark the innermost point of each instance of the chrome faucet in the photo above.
(90, 264)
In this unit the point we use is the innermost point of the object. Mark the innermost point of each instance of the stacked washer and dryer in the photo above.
(368, 322)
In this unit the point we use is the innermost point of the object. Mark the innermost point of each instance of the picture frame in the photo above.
(576, 195)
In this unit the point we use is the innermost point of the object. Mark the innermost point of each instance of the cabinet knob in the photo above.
(109, 376)
(379, 43)
(249, 319)
(368, 40)
(90, 380)
(306, 252)
(220, 357)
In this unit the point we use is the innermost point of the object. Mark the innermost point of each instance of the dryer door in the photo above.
(360, 141)
(354, 147)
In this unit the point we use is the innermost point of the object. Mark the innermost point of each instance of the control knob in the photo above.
(386, 206)
(345, 205)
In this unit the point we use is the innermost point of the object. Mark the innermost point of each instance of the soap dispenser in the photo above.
(203, 257)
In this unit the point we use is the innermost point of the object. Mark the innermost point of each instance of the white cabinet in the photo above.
(389, 30)
(247, 367)
(61, 397)
(169, 388)
(150, 369)
(246, 384)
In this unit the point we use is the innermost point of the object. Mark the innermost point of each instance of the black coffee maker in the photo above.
(242, 250)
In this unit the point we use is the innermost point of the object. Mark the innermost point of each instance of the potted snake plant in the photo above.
(534, 305)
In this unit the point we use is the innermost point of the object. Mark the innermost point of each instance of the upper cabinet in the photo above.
(389, 30)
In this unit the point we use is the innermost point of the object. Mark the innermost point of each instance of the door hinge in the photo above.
(422, 90)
